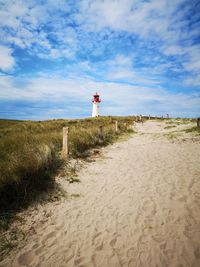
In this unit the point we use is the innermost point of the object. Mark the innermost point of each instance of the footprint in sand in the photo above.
(149, 207)
(26, 258)
(113, 241)
(98, 241)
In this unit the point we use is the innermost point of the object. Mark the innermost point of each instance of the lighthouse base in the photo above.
(95, 110)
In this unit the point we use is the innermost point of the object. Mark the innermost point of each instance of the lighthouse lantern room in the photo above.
(95, 110)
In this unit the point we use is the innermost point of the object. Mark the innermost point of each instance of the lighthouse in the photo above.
(95, 110)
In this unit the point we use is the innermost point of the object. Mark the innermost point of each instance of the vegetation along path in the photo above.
(138, 204)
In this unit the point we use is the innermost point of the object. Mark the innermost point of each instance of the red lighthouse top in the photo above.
(96, 98)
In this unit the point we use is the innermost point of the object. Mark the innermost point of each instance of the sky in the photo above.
(142, 56)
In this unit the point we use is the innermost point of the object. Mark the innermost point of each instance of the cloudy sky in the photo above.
(143, 57)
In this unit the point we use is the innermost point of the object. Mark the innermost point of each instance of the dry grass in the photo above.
(179, 121)
(30, 152)
(195, 130)
(169, 127)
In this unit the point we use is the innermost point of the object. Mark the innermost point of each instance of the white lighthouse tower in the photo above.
(95, 110)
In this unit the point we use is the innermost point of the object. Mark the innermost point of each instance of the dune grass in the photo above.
(169, 127)
(180, 121)
(30, 153)
(195, 130)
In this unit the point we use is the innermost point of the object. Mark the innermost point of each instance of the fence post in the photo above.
(101, 133)
(125, 125)
(65, 150)
(198, 122)
(116, 127)
(149, 116)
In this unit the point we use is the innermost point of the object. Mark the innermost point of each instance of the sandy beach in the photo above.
(137, 205)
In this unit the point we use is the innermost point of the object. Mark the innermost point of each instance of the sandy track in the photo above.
(139, 205)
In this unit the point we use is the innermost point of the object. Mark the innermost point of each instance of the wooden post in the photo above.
(116, 127)
(65, 150)
(125, 125)
(149, 116)
(198, 122)
(101, 133)
(140, 117)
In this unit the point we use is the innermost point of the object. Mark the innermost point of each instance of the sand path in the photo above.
(139, 206)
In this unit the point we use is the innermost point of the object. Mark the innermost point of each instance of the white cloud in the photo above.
(23, 24)
(150, 20)
(7, 61)
(117, 99)
(141, 17)
(120, 61)
(173, 50)
(193, 66)
(121, 74)
(122, 68)
(156, 21)
(193, 81)
(26, 25)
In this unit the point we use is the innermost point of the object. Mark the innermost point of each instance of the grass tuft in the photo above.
(75, 195)
(5, 245)
(193, 130)
(171, 136)
(169, 127)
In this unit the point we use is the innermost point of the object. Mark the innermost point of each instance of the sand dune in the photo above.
(139, 205)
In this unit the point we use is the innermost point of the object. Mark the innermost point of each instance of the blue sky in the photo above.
(143, 57)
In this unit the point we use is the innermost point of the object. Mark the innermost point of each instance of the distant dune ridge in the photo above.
(137, 204)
